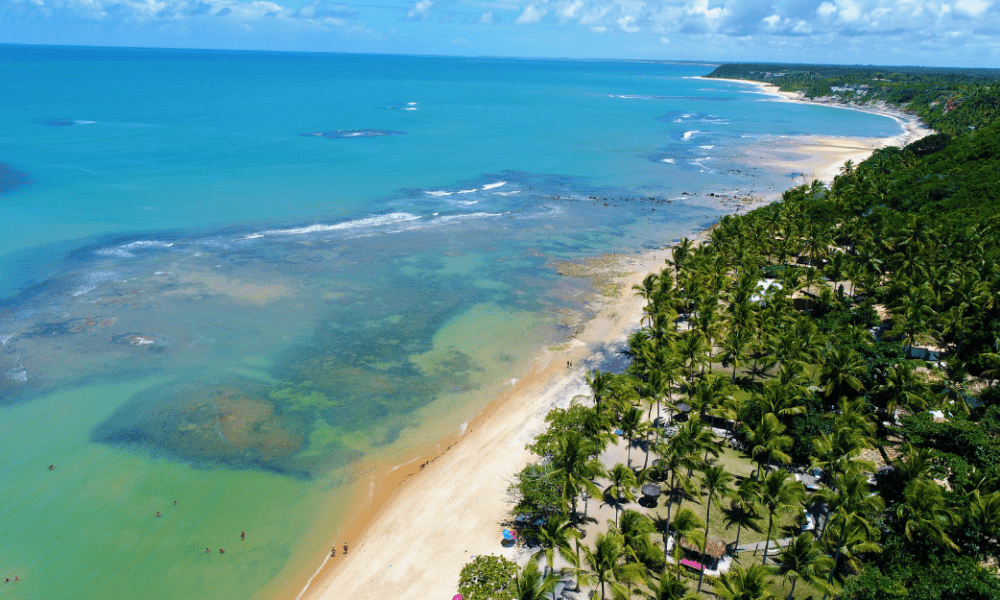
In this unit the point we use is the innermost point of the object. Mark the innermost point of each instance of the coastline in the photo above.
(415, 526)
(829, 150)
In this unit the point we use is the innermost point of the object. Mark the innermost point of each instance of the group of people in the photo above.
(243, 536)
(333, 551)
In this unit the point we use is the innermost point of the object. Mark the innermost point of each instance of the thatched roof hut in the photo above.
(715, 547)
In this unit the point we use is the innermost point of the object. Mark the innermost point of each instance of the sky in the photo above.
(961, 33)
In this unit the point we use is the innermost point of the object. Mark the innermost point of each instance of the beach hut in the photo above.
(711, 560)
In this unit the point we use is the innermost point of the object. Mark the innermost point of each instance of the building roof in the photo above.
(715, 548)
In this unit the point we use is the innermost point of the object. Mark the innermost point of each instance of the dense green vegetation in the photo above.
(949, 100)
(898, 257)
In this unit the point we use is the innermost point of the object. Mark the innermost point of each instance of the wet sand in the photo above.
(417, 522)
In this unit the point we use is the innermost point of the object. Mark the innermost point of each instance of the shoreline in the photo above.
(410, 535)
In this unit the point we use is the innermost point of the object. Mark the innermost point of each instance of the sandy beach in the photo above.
(416, 524)
(823, 157)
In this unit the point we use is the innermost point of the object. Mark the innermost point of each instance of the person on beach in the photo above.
(345, 547)
(333, 552)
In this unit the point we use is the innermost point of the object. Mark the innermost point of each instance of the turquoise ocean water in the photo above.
(225, 278)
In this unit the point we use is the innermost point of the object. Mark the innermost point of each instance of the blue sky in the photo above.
(893, 32)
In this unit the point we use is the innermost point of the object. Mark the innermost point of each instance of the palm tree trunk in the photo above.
(792, 592)
(767, 541)
(708, 515)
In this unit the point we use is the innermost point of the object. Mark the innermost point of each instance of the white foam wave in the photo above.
(669, 160)
(82, 291)
(387, 219)
(409, 108)
(411, 103)
(507, 193)
(490, 186)
(147, 244)
(84, 122)
(466, 202)
(467, 191)
(707, 147)
(465, 217)
(438, 193)
(688, 134)
(5, 338)
(119, 252)
(19, 376)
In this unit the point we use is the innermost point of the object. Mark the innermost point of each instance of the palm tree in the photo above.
(743, 507)
(555, 536)
(715, 481)
(751, 583)
(842, 366)
(686, 526)
(635, 529)
(574, 468)
(767, 443)
(924, 510)
(600, 384)
(804, 559)
(669, 588)
(778, 493)
(630, 424)
(620, 490)
(849, 506)
(605, 565)
(530, 585)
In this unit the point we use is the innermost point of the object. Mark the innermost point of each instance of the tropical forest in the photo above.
(810, 408)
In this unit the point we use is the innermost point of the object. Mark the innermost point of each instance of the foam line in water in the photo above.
(387, 219)
(490, 186)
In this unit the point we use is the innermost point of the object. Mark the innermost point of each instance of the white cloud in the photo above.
(972, 8)
(531, 14)
(488, 18)
(826, 9)
(772, 21)
(420, 10)
(664, 40)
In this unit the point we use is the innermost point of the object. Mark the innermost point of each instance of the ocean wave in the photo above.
(490, 186)
(438, 193)
(467, 191)
(465, 217)
(367, 222)
(668, 160)
(465, 202)
(707, 147)
(688, 134)
(147, 244)
(510, 193)
(353, 133)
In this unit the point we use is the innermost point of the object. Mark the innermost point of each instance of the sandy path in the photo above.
(428, 523)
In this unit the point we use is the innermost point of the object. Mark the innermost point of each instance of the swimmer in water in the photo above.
(158, 514)
(243, 535)
(51, 467)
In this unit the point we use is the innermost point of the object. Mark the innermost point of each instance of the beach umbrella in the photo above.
(457, 597)
(509, 535)
(651, 489)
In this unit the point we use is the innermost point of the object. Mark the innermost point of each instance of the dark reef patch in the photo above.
(231, 423)
(59, 122)
(354, 133)
(11, 178)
